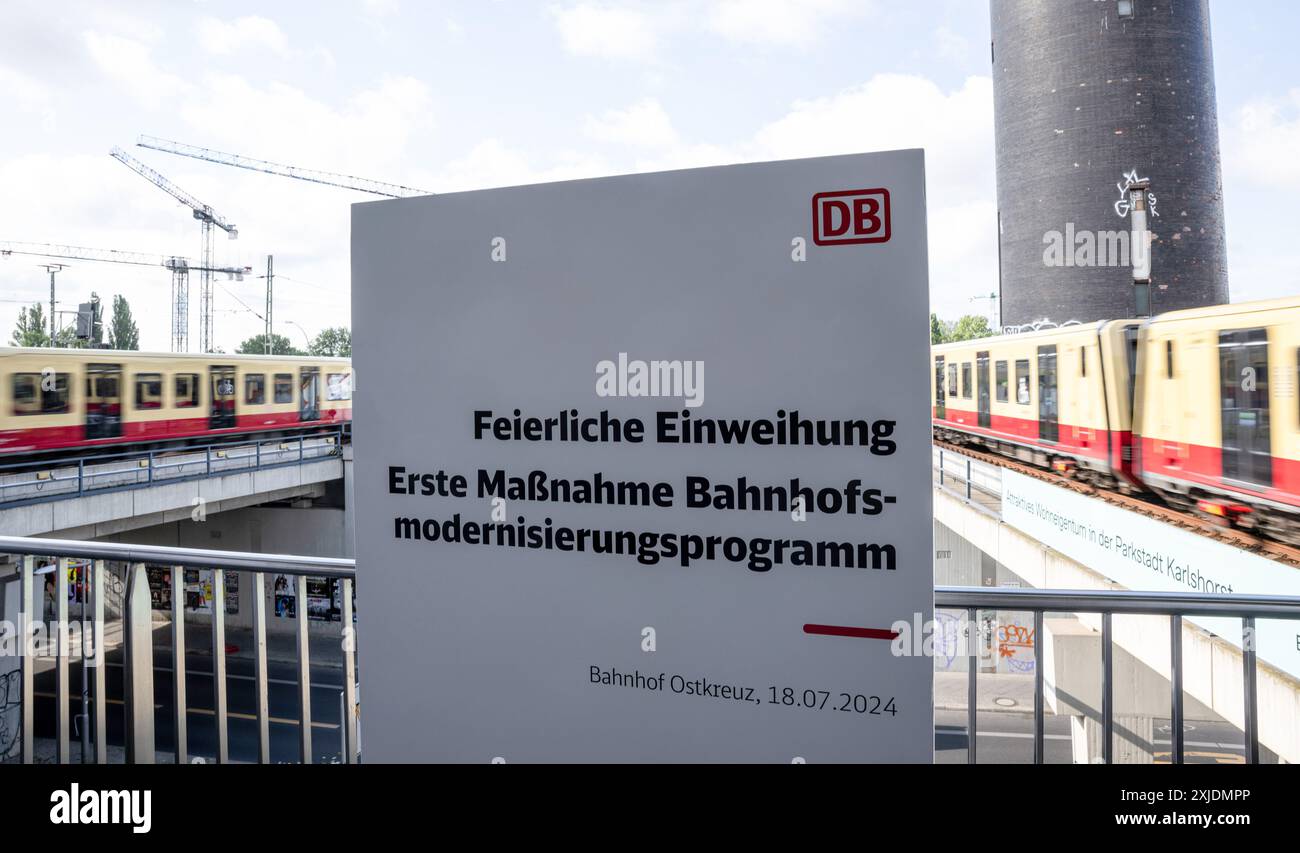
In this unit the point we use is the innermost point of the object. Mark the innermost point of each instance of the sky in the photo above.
(449, 96)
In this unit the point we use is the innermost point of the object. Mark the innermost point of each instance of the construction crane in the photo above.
(180, 269)
(208, 219)
(315, 176)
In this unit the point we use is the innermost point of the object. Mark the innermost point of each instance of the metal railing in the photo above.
(978, 482)
(138, 646)
(30, 482)
(1107, 603)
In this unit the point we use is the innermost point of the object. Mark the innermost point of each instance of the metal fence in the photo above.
(33, 482)
(1107, 603)
(128, 562)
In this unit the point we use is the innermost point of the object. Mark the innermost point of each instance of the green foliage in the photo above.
(968, 328)
(33, 328)
(335, 341)
(256, 345)
(123, 334)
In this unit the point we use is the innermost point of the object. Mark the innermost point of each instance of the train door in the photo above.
(940, 401)
(982, 389)
(103, 401)
(221, 381)
(309, 385)
(1243, 384)
(1048, 408)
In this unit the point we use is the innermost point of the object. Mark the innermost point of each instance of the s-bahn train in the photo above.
(1199, 407)
(69, 400)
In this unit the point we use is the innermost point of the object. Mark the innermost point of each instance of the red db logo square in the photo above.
(850, 216)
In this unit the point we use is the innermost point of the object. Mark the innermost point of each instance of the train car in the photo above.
(1058, 398)
(56, 400)
(1218, 413)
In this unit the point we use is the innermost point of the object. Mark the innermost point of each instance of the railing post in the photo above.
(968, 491)
(150, 466)
(139, 667)
(81, 476)
(257, 454)
(99, 678)
(1176, 687)
(349, 678)
(972, 674)
(1250, 728)
(941, 467)
(300, 451)
(1039, 757)
(29, 620)
(259, 664)
(62, 646)
(180, 701)
(1107, 689)
(219, 664)
(207, 453)
(304, 676)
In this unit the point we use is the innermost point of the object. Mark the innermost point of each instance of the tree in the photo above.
(122, 332)
(256, 345)
(336, 341)
(32, 329)
(968, 328)
(938, 330)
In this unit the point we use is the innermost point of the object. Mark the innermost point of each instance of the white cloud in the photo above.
(644, 124)
(1261, 141)
(779, 22)
(951, 44)
(608, 32)
(130, 64)
(222, 38)
(28, 95)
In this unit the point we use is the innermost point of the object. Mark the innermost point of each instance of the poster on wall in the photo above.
(160, 587)
(680, 502)
(283, 597)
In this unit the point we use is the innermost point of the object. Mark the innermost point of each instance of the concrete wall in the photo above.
(96, 516)
(310, 531)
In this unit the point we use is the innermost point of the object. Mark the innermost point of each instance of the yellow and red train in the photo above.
(1199, 406)
(59, 400)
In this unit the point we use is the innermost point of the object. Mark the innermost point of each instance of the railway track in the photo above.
(1202, 526)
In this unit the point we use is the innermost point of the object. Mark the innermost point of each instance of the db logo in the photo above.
(850, 216)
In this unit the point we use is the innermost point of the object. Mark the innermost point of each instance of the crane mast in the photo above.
(208, 219)
(180, 269)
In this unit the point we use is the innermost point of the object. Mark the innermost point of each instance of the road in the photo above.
(282, 703)
(1008, 738)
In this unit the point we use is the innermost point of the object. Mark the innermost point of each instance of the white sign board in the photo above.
(642, 467)
(1144, 554)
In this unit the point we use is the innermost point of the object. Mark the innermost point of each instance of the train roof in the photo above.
(1231, 308)
(1039, 333)
(103, 354)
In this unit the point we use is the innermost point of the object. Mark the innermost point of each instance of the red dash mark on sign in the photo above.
(846, 631)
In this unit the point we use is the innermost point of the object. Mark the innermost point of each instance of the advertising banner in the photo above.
(643, 467)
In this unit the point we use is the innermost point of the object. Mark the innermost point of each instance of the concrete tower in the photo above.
(1103, 107)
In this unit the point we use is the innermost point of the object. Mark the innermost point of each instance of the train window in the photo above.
(965, 379)
(27, 399)
(1001, 370)
(1083, 361)
(338, 386)
(148, 390)
(284, 387)
(187, 390)
(255, 389)
(1169, 359)
(952, 380)
(1022, 381)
